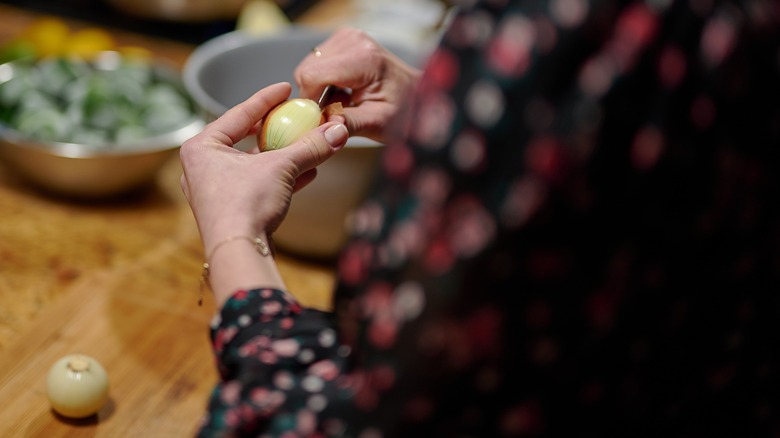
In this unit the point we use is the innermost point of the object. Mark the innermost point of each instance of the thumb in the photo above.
(369, 120)
(315, 147)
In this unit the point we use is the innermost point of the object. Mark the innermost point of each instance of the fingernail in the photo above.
(336, 135)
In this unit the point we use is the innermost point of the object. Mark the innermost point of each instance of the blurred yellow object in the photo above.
(261, 17)
(50, 36)
(88, 42)
(135, 52)
(47, 35)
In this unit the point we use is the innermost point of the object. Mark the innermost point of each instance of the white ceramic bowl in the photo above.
(228, 69)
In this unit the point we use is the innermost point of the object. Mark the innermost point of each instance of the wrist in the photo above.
(240, 262)
(259, 242)
(215, 243)
(213, 234)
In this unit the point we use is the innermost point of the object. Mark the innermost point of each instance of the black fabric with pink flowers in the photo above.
(575, 233)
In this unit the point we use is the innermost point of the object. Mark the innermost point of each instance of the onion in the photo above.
(288, 121)
(77, 386)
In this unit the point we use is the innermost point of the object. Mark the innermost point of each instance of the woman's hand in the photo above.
(378, 80)
(235, 193)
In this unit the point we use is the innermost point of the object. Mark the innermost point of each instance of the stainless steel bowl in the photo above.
(92, 170)
(82, 171)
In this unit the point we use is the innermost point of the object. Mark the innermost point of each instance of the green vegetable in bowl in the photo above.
(101, 103)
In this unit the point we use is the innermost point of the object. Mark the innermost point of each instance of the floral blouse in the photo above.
(575, 233)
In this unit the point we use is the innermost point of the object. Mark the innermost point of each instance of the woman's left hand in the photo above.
(232, 192)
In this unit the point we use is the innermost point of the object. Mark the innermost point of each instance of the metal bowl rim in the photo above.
(159, 143)
(221, 45)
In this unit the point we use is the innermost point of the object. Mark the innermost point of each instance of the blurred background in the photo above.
(196, 21)
(187, 21)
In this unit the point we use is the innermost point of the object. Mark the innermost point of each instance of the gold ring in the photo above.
(316, 51)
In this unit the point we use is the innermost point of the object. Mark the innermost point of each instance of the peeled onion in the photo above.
(288, 122)
(77, 386)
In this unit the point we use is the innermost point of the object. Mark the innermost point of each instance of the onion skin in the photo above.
(77, 386)
(288, 121)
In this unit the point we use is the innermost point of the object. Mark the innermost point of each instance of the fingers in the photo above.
(243, 118)
(304, 180)
(234, 125)
(343, 48)
(209, 153)
(315, 147)
(369, 120)
(377, 80)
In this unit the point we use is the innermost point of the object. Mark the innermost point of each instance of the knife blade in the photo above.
(325, 96)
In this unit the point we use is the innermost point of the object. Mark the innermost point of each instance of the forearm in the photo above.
(237, 264)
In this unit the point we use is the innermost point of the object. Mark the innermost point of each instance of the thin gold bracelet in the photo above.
(260, 246)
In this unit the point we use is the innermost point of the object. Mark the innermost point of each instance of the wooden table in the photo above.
(117, 281)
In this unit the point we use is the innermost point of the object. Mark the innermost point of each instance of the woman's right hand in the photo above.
(377, 79)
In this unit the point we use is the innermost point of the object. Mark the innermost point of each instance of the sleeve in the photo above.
(279, 364)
